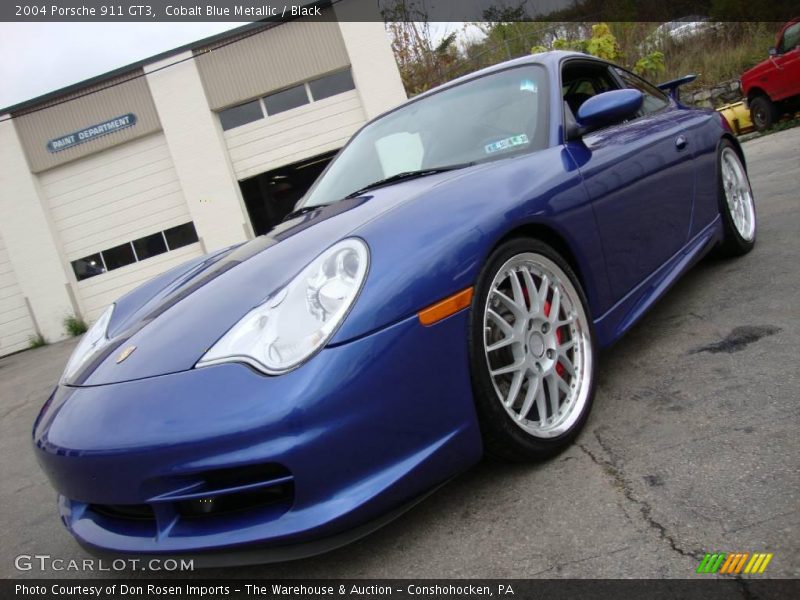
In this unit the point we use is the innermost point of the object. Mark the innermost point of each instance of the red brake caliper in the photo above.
(559, 367)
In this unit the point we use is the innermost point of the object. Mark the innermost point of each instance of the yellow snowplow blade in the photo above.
(738, 117)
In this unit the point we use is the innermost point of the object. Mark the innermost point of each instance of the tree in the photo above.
(423, 63)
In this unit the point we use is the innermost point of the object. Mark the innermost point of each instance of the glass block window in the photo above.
(286, 100)
(119, 256)
(241, 115)
(330, 85)
(134, 251)
(180, 236)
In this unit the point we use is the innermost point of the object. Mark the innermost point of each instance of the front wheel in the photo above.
(532, 352)
(736, 205)
(763, 112)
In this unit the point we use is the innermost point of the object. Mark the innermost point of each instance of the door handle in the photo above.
(680, 142)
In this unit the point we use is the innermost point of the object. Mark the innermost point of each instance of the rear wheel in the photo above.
(532, 352)
(736, 204)
(763, 112)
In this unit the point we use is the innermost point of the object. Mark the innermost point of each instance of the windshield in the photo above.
(493, 116)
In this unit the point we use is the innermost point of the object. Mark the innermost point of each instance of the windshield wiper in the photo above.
(305, 209)
(407, 175)
(376, 184)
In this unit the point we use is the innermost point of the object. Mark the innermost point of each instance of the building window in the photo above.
(135, 251)
(294, 97)
(241, 115)
(150, 245)
(330, 85)
(119, 256)
(88, 266)
(286, 100)
(180, 236)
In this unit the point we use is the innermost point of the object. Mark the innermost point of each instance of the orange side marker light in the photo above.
(444, 308)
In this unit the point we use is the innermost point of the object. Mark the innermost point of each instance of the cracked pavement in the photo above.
(691, 447)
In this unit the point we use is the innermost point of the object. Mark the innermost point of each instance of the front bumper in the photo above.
(358, 432)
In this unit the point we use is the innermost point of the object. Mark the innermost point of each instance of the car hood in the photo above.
(175, 318)
(748, 77)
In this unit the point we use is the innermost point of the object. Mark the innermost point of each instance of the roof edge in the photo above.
(55, 94)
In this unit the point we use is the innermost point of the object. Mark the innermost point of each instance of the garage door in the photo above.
(105, 204)
(15, 320)
(294, 135)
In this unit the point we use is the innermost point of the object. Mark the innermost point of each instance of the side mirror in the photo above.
(608, 108)
(773, 51)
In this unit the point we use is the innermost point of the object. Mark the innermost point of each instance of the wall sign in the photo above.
(90, 133)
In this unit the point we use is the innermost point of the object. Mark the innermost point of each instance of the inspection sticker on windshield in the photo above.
(509, 142)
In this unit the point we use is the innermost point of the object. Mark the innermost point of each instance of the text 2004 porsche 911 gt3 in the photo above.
(442, 290)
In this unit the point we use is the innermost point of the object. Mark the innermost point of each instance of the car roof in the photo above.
(550, 60)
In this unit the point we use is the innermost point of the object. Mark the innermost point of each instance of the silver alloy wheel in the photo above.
(738, 194)
(537, 346)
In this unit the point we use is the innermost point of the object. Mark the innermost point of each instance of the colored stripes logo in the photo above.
(734, 563)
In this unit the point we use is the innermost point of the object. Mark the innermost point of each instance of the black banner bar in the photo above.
(405, 589)
(150, 11)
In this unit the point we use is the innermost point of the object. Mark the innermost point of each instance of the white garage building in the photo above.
(111, 181)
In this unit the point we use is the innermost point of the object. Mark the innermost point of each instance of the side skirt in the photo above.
(624, 314)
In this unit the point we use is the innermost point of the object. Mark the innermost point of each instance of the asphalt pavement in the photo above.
(692, 445)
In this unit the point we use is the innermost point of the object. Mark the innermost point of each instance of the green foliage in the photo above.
(650, 65)
(603, 44)
(75, 326)
(443, 47)
(719, 53)
(509, 39)
(36, 341)
(422, 62)
(784, 124)
(576, 45)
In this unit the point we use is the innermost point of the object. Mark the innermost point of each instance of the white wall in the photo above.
(194, 138)
(375, 71)
(187, 173)
(294, 135)
(29, 238)
(113, 197)
(98, 292)
(16, 325)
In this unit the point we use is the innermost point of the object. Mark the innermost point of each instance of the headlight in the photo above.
(94, 339)
(295, 322)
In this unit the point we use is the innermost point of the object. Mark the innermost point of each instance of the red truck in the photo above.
(772, 87)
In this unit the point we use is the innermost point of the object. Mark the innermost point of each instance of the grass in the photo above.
(36, 341)
(779, 126)
(783, 125)
(75, 326)
(721, 55)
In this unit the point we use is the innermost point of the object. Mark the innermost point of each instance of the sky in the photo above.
(41, 57)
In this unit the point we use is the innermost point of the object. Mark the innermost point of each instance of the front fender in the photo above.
(435, 245)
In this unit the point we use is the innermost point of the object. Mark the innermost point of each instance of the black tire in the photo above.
(503, 438)
(763, 112)
(733, 244)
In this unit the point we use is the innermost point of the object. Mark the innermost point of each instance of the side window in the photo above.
(581, 81)
(791, 38)
(654, 99)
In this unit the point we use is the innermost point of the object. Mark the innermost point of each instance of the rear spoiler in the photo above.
(671, 87)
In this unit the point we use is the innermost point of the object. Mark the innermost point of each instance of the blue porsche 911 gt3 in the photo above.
(441, 291)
